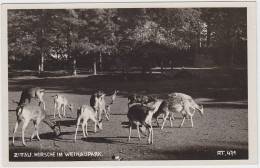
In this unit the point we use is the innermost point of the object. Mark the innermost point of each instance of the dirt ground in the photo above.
(223, 127)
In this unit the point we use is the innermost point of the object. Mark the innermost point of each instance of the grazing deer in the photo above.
(190, 100)
(60, 104)
(29, 112)
(141, 115)
(29, 93)
(178, 103)
(86, 113)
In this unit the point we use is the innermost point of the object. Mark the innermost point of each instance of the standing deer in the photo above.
(113, 97)
(27, 113)
(141, 115)
(86, 113)
(60, 104)
(29, 93)
(98, 103)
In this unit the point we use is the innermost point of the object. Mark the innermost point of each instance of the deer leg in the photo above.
(78, 122)
(172, 117)
(15, 128)
(59, 109)
(130, 131)
(43, 105)
(86, 125)
(157, 121)
(106, 113)
(150, 138)
(171, 120)
(83, 129)
(64, 110)
(184, 117)
(164, 118)
(138, 131)
(191, 120)
(55, 108)
(25, 123)
(33, 134)
(152, 134)
(37, 129)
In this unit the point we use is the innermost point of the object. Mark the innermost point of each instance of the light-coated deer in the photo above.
(178, 103)
(60, 104)
(85, 113)
(98, 103)
(29, 112)
(102, 107)
(113, 97)
(34, 92)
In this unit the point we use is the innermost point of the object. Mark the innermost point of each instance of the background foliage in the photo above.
(122, 39)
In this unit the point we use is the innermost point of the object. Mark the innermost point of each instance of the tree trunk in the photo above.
(42, 39)
(100, 62)
(42, 63)
(95, 67)
(171, 64)
(75, 67)
(162, 67)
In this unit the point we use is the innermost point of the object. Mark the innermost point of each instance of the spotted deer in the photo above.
(36, 114)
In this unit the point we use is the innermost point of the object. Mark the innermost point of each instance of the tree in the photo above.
(226, 29)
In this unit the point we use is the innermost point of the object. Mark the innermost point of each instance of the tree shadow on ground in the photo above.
(154, 84)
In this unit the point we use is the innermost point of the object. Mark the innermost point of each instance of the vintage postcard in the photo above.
(107, 83)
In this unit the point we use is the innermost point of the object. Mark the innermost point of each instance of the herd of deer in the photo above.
(141, 111)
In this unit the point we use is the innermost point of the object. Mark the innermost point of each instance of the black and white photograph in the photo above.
(128, 84)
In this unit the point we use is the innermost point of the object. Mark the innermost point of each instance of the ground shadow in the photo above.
(153, 84)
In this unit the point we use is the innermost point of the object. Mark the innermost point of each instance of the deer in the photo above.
(36, 114)
(141, 115)
(94, 99)
(60, 104)
(102, 107)
(85, 113)
(193, 104)
(98, 103)
(178, 103)
(113, 97)
(34, 92)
